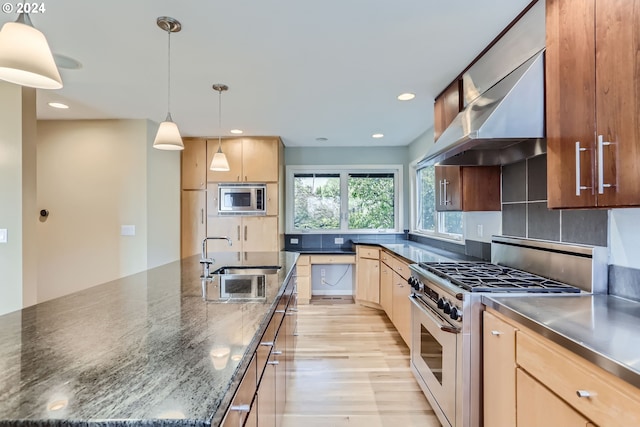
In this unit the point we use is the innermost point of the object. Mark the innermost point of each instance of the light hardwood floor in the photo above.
(352, 369)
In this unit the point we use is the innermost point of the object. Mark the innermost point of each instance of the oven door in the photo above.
(434, 347)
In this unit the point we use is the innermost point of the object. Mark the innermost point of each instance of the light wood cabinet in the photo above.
(401, 311)
(368, 274)
(552, 384)
(537, 406)
(193, 164)
(248, 233)
(193, 226)
(303, 268)
(446, 108)
(386, 289)
(467, 188)
(255, 159)
(499, 372)
(592, 108)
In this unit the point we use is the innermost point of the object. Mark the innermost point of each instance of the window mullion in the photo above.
(344, 201)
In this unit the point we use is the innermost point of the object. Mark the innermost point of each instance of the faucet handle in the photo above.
(207, 261)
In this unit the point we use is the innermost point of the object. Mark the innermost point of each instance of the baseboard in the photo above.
(314, 292)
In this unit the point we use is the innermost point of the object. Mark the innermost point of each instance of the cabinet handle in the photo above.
(295, 310)
(277, 353)
(267, 343)
(245, 233)
(578, 186)
(245, 178)
(601, 184)
(273, 362)
(496, 333)
(238, 233)
(240, 408)
(290, 314)
(440, 192)
(279, 311)
(201, 216)
(584, 393)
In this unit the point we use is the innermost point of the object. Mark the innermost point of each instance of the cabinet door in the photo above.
(570, 79)
(448, 188)
(229, 226)
(267, 396)
(260, 159)
(232, 149)
(192, 222)
(446, 108)
(368, 280)
(260, 233)
(194, 164)
(281, 372)
(618, 101)
(386, 289)
(401, 307)
(499, 372)
(537, 406)
(480, 188)
(272, 199)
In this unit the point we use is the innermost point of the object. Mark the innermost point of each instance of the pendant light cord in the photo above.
(169, 77)
(220, 120)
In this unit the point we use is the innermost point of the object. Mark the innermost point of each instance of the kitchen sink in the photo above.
(248, 270)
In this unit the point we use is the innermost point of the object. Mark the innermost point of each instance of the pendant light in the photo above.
(25, 56)
(219, 162)
(168, 136)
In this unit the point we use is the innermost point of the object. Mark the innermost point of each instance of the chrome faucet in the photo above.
(206, 262)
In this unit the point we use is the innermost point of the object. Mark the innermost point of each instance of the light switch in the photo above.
(3, 235)
(128, 230)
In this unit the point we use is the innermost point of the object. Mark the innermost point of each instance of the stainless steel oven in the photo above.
(435, 357)
(242, 199)
(245, 286)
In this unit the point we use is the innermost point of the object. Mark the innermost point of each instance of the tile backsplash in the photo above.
(525, 212)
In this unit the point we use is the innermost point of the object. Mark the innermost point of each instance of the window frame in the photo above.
(344, 171)
(439, 218)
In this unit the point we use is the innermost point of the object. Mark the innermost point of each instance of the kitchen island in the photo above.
(142, 350)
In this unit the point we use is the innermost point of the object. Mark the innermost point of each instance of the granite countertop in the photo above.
(142, 350)
(601, 328)
(417, 252)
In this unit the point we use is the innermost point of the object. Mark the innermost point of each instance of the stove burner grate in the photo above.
(487, 277)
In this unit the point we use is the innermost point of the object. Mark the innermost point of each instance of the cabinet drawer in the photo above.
(333, 259)
(368, 252)
(386, 257)
(401, 267)
(303, 270)
(243, 399)
(610, 400)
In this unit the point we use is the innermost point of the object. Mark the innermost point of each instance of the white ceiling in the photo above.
(300, 69)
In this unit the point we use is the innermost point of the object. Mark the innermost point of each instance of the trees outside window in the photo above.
(429, 221)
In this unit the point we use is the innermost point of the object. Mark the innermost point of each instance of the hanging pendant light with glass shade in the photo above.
(219, 162)
(25, 56)
(168, 136)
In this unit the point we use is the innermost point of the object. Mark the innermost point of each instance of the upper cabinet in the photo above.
(592, 103)
(467, 188)
(254, 159)
(446, 108)
(194, 166)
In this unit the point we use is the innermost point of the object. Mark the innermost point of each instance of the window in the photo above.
(344, 200)
(429, 221)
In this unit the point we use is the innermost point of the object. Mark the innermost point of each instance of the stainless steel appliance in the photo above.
(249, 286)
(242, 199)
(447, 313)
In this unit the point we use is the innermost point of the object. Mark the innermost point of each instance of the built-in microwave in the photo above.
(243, 286)
(242, 199)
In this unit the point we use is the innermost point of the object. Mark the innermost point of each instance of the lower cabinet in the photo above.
(401, 311)
(303, 268)
(367, 274)
(261, 397)
(386, 289)
(530, 381)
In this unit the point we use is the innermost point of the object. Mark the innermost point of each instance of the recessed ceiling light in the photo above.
(377, 135)
(406, 96)
(58, 105)
(322, 139)
(236, 131)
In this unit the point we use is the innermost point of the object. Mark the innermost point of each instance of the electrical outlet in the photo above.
(3, 235)
(480, 230)
(338, 240)
(293, 241)
(322, 273)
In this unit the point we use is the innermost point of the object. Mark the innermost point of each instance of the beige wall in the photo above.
(95, 176)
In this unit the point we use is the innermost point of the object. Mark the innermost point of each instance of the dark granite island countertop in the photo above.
(141, 350)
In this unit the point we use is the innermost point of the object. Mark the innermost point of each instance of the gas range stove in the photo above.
(487, 277)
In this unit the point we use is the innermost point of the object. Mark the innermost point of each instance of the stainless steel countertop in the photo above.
(603, 329)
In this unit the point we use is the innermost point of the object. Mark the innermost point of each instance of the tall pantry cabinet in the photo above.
(593, 103)
(251, 160)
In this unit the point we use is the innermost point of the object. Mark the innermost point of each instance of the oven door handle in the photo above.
(434, 316)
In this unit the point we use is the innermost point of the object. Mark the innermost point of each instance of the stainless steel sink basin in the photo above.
(248, 270)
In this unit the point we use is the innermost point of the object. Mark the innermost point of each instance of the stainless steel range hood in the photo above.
(503, 125)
